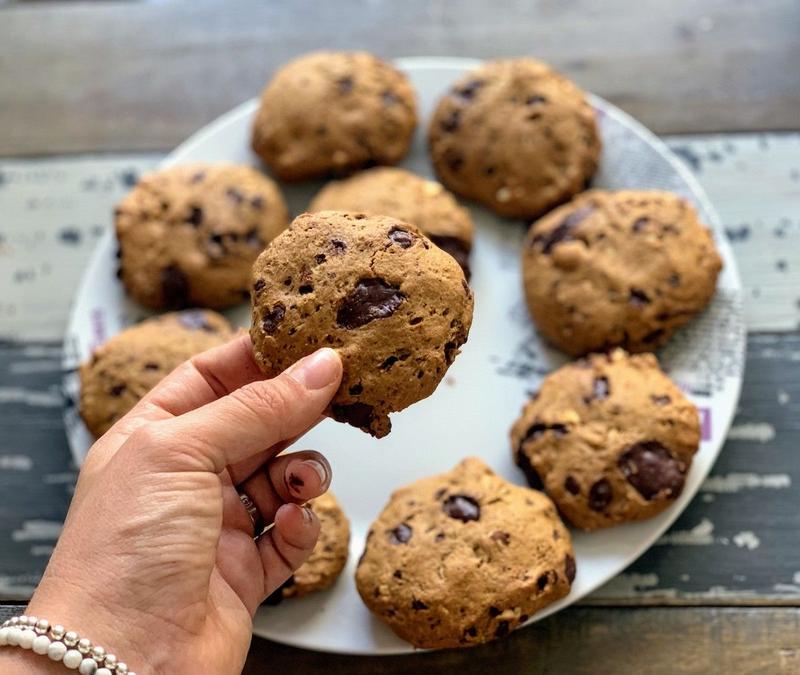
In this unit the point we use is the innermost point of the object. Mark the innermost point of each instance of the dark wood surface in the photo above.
(91, 76)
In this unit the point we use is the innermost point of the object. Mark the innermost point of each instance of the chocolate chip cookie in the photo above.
(406, 196)
(328, 558)
(516, 136)
(188, 235)
(618, 269)
(131, 363)
(464, 557)
(396, 307)
(610, 438)
(334, 112)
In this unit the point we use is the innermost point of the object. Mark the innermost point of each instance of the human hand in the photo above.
(157, 560)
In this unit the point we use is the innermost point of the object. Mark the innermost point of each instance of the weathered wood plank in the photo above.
(137, 76)
(582, 641)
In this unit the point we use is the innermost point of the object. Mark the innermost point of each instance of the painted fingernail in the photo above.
(318, 370)
(322, 472)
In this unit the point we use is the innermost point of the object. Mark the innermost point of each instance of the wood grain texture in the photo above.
(92, 76)
(581, 641)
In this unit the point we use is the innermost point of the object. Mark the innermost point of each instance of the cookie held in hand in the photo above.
(396, 307)
(464, 557)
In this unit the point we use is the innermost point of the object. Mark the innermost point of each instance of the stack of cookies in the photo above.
(379, 269)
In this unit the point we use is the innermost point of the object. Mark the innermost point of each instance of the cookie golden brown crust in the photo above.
(516, 136)
(464, 557)
(188, 235)
(621, 268)
(396, 307)
(328, 558)
(126, 367)
(405, 196)
(610, 438)
(334, 112)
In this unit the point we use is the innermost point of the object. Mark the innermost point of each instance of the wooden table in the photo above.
(721, 591)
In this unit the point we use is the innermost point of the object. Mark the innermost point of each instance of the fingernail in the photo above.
(318, 370)
(322, 472)
(308, 517)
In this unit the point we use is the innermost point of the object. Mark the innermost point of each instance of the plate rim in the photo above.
(247, 108)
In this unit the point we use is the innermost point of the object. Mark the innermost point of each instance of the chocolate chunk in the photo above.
(536, 99)
(117, 390)
(571, 485)
(531, 474)
(563, 231)
(356, 389)
(356, 414)
(450, 350)
(339, 246)
(457, 249)
(259, 285)
(569, 568)
(453, 159)
(639, 224)
(418, 605)
(462, 507)
(271, 319)
(541, 582)
(195, 216)
(495, 611)
(234, 195)
(502, 629)
(400, 534)
(439, 536)
(600, 495)
(320, 258)
(652, 470)
(195, 321)
(174, 287)
(305, 289)
(371, 299)
(638, 298)
(467, 91)
(537, 429)
(257, 203)
(451, 123)
(388, 362)
(402, 237)
(660, 400)
(600, 390)
(503, 537)
(397, 574)
(345, 84)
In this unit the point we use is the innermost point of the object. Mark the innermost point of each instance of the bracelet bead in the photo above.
(84, 646)
(71, 638)
(103, 671)
(72, 659)
(41, 644)
(88, 667)
(110, 661)
(99, 655)
(42, 626)
(26, 638)
(56, 651)
(57, 632)
(13, 635)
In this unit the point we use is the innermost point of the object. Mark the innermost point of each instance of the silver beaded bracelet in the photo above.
(65, 646)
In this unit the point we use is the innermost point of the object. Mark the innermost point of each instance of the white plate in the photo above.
(473, 408)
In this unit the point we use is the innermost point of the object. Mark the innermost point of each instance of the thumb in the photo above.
(249, 420)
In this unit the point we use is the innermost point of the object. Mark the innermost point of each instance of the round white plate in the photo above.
(473, 408)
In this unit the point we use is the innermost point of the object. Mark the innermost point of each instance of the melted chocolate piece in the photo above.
(356, 414)
(600, 495)
(571, 485)
(563, 231)
(174, 287)
(401, 237)
(271, 319)
(371, 299)
(462, 507)
(400, 534)
(531, 474)
(195, 216)
(569, 568)
(638, 298)
(652, 470)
